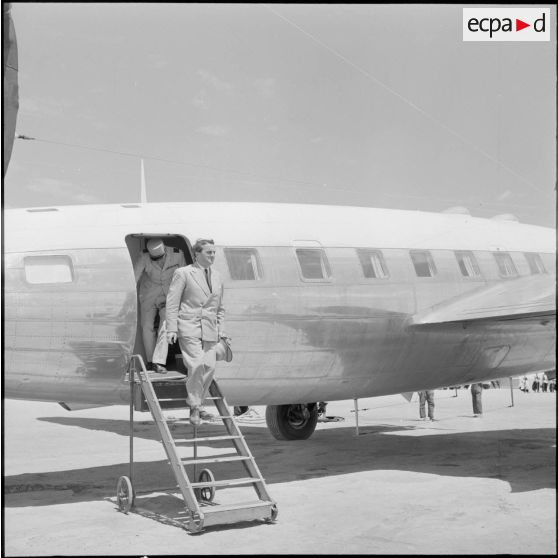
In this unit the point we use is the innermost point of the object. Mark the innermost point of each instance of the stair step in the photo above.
(216, 508)
(230, 482)
(205, 439)
(170, 394)
(249, 511)
(171, 404)
(188, 461)
(168, 391)
(157, 379)
(187, 421)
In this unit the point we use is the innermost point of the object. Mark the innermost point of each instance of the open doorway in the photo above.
(137, 245)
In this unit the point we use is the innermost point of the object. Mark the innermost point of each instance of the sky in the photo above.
(365, 104)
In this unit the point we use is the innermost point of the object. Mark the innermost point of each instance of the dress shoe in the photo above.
(204, 415)
(159, 368)
(195, 416)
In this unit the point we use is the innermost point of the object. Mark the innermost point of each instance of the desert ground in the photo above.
(459, 485)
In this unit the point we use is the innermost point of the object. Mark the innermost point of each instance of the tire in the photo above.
(292, 422)
(205, 493)
(125, 494)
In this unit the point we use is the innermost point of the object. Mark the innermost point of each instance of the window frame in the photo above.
(363, 253)
(537, 261)
(497, 255)
(430, 260)
(49, 258)
(324, 261)
(475, 263)
(258, 269)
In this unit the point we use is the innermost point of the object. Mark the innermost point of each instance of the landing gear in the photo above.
(292, 422)
(124, 494)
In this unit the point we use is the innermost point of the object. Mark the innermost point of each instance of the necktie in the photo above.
(208, 279)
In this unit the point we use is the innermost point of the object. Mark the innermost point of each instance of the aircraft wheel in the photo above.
(124, 494)
(292, 422)
(205, 493)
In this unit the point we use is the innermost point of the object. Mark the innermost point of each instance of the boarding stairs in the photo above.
(156, 392)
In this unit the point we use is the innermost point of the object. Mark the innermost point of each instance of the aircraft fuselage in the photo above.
(69, 335)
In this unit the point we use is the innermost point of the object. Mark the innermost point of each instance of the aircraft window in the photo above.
(535, 263)
(48, 269)
(423, 262)
(468, 264)
(506, 267)
(244, 264)
(313, 263)
(373, 264)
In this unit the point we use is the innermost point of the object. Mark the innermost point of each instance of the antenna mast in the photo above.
(143, 188)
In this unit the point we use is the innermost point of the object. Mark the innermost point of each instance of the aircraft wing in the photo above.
(531, 296)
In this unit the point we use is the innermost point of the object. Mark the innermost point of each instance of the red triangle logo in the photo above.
(519, 25)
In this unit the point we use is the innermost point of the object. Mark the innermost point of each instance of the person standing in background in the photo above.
(476, 394)
(424, 397)
(536, 383)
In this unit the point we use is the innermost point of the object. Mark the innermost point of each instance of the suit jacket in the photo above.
(192, 310)
(154, 280)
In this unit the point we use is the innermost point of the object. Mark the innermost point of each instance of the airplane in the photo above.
(322, 303)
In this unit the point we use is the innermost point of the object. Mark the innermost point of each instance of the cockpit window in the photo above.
(48, 269)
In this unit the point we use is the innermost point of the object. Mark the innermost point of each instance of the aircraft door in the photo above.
(137, 245)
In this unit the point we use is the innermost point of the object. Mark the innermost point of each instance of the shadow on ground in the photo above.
(525, 458)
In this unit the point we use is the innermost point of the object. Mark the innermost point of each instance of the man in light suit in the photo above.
(154, 270)
(195, 315)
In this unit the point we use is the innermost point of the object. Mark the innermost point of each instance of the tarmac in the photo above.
(459, 485)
